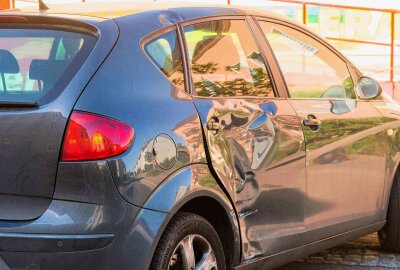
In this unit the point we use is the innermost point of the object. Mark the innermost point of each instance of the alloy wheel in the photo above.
(193, 252)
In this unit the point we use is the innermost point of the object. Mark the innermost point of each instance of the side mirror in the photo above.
(368, 88)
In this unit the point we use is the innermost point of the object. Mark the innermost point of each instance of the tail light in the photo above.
(91, 136)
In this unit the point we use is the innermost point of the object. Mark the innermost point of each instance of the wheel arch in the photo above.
(182, 192)
(220, 219)
(393, 168)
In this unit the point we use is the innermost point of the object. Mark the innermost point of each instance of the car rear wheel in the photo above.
(389, 235)
(189, 242)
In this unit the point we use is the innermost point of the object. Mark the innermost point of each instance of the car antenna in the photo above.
(42, 5)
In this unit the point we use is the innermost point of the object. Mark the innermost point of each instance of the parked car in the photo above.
(142, 136)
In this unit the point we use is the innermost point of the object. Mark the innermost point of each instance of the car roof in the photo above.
(98, 11)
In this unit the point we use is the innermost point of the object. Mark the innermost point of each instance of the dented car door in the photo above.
(255, 140)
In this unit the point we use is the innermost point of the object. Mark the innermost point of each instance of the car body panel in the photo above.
(278, 259)
(390, 111)
(252, 162)
(350, 132)
(351, 135)
(136, 172)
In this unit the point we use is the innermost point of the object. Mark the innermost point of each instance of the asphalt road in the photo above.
(359, 254)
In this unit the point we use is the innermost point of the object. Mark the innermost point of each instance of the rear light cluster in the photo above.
(91, 136)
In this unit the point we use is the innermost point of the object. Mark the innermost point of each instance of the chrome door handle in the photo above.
(213, 125)
(310, 122)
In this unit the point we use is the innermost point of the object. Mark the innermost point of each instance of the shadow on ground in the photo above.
(362, 253)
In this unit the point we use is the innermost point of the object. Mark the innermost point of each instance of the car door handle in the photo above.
(312, 122)
(214, 125)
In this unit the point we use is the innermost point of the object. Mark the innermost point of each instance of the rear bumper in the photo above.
(72, 235)
(97, 259)
(69, 235)
(87, 225)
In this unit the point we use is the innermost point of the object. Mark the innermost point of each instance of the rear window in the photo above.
(36, 62)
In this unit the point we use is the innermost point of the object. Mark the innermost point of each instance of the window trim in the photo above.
(185, 61)
(318, 39)
(158, 33)
(246, 19)
(269, 58)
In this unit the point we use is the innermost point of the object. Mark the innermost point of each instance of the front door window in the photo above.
(310, 69)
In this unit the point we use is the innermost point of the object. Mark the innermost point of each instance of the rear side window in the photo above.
(225, 60)
(35, 62)
(166, 54)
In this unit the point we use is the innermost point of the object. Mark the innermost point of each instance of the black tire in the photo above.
(180, 227)
(389, 235)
